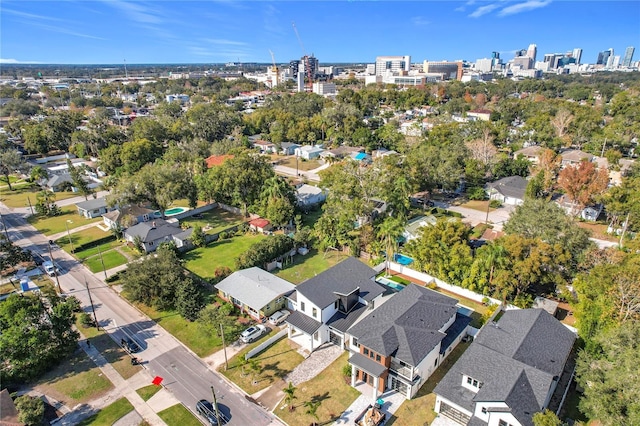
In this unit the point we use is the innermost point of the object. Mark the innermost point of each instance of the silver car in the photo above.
(252, 333)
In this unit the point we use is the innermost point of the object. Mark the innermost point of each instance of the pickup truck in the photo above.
(371, 416)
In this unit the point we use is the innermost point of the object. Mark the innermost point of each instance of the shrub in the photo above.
(223, 235)
(86, 321)
(476, 193)
(264, 251)
(346, 370)
(432, 285)
(494, 204)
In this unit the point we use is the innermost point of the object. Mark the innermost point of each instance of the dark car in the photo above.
(205, 409)
(130, 345)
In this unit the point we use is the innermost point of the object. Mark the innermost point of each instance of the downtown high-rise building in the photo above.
(603, 57)
(392, 64)
(628, 56)
(532, 51)
(577, 54)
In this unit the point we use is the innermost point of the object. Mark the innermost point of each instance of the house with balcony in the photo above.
(511, 371)
(325, 306)
(401, 343)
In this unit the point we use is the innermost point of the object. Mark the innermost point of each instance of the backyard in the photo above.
(57, 224)
(24, 192)
(422, 405)
(204, 261)
(93, 243)
(274, 363)
(304, 165)
(313, 263)
(214, 221)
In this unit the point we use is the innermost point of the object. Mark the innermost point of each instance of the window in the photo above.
(484, 410)
(371, 354)
(354, 342)
(335, 305)
(503, 423)
(378, 358)
(473, 382)
(302, 306)
(365, 351)
(315, 336)
(469, 380)
(314, 312)
(435, 364)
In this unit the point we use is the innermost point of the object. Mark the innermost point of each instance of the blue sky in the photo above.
(157, 31)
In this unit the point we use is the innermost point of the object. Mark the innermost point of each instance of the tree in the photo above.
(256, 368)
(11, 254)
(265, 251)
(623, 205)
(189, 299)
(277, 201)
(582, 183)
(483, 149)
(45, 203)
(34, 337)
(561, 122)
(30, 410)
(211, 317)
(198, 237)
(77, 177)
(38, 173)
(312, 409)
(389, 231)
(546, 418)
(10, 162)
(608, 376)
(290, 395)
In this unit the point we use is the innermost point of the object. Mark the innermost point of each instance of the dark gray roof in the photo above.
(343, 278)
(98, 203)
(303, 322)
(149, 233)
(59, 180)
(285, 145)
(406, 326)
(512, 186)
(458, 326)
(367, 364)
(512, 360)
(341, 321)
(184, 235)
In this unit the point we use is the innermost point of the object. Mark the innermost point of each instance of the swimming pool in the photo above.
(465, 311)
(385, 281)
(402, 259)
(174, 211)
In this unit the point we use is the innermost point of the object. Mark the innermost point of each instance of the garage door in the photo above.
(454, 414)
(335, 338)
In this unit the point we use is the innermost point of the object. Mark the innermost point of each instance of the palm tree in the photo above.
(312, 408)
(495, 255)
(242, 362)
(275, 187)
(254, 366)
(290, 395)
(390, 230)
(38, 173)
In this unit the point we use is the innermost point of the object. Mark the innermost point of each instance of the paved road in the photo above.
(185, 375)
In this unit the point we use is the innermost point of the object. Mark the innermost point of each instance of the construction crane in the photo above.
(274, 70)
(309, 83)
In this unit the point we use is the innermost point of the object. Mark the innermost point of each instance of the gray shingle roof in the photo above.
(367, 364)
(303, 322)
(98, 203)
(513, 362)
(59, 180)
(152, 231)
(341, 321)
(406, 326)
(512, 186)
(254, 287)
(343, 278)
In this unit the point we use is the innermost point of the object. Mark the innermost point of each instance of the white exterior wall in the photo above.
(485, 416)
(426, 367)
(494, 419)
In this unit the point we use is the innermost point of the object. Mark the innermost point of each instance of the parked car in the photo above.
(253, 333)
(278, 317)
(205, 409)
(50, 269)
(130, 345)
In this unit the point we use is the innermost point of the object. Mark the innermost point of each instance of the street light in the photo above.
(68, 234)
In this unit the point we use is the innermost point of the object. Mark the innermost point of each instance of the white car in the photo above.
(279, 317)
(252, 333)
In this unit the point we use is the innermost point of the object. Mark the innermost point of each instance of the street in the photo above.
(185, 375)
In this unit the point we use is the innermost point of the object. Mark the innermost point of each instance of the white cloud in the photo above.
(137, 12)
(420, 21)
(16, 61)
(523, 7)
(30, 15)
(225, 42)
(483, 10)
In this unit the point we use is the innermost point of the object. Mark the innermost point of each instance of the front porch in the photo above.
(304, 331)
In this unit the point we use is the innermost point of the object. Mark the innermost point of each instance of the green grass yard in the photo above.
(303, 165)
(178, 415)
(57, 224)
(205, 260)
(214, 221)
(22, 193)
(304, 267)
(111, 259)
(109, 414)
(148, 391)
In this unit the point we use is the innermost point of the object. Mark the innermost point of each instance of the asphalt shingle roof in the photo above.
(406, 326)
(343, 278)
(342, 321)
(367, 364)
(512, 186)
(254, 287)
(98, 203)
(303, 322)
(515, 359)
(153, 231)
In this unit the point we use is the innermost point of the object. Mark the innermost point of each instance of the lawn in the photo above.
(480, 309)
(305, 267)
(328, 387)
(148, 391)
(57, 224)
(83, 237)
(75, 380)
(310, 219)
(178, 415)
(275, 362)
(115, 355)
(303, 165)
(480, 205)
(109, 414)
(598, 230)
(422, 405)
(111, 259)
(21, 195)
(214, 221)
(204, 261)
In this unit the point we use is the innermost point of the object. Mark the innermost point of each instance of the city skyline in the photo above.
(115, 31)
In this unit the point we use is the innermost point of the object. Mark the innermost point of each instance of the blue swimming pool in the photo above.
(465, 311)
(174, 211)
(389, 283)
(402, 259)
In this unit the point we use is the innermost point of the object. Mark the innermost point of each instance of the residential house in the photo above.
(308, 152)
(480, 114)
(325, 306)
(401, 343)
(59, 182)
(255, 291)
(412, 228)
(260, 225)
(9, 415)
(93, 208)
(265, 147)
(573, 157)
(615, 172)
(531, 153)
(288, 148)
(152, 234)
(341, 152)
(216, 160)
(509, 372)
(509, 190)
(309, 195)
(124, 217)
(382, 152)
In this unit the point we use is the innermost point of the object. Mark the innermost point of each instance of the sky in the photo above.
(334, 31)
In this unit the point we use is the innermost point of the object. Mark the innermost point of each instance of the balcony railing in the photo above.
(404, 371)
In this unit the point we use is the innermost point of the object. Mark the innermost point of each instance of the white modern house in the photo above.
(308, 152)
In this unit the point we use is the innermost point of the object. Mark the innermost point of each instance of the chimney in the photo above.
(153, 225)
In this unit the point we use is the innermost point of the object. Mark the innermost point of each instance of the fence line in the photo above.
(264, 345)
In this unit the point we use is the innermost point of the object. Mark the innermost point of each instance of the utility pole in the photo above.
(215, 406)
(102, 261)
(55, 269)
(86, 284)
(4, 225)
(30, 206)
(69, 235)
(224, 347)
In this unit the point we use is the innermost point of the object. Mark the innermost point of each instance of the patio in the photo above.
(392, 401)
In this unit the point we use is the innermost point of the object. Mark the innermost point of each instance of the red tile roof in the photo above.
(259, 222)
(217, 160)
